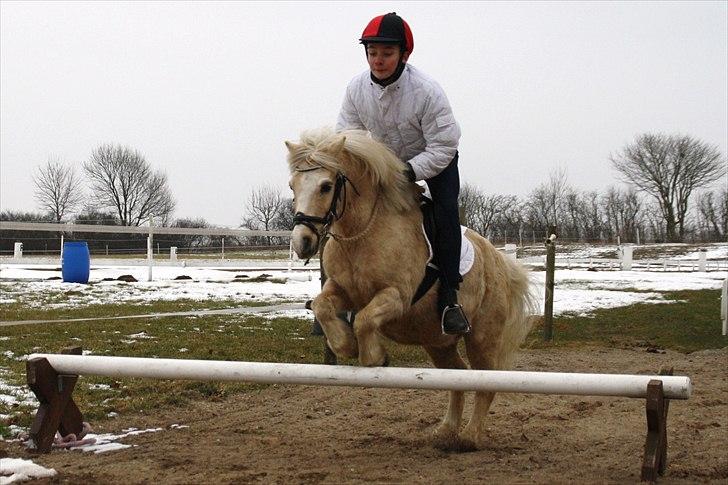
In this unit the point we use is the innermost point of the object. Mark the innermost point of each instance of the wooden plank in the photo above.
(54, 394)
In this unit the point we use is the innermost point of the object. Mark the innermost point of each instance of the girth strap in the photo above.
(432, 271)
(432, 274)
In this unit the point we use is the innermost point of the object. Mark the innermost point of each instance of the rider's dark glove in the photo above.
(410, 172)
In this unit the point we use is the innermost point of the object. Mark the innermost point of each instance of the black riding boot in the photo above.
(453, 321)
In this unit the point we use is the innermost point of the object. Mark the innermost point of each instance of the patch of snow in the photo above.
(99, 387)
(109, 442)
(14, 470)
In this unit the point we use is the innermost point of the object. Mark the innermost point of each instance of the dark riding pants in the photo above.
(445, 188)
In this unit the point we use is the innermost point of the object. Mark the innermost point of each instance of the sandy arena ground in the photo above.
(289, 434)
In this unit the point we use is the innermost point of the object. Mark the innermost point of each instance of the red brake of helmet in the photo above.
(389, 28)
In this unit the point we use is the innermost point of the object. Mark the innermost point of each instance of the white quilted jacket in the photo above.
(412, 116)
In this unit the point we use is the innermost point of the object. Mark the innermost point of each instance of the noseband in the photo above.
(331, 215)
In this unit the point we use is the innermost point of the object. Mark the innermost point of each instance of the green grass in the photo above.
(691, 323)
(20, 311)
(224, 337)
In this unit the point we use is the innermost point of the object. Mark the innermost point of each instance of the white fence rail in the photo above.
(637, 264)
(87, 228)
(625, 262)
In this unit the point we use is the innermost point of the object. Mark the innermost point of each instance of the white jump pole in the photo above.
(674, 387)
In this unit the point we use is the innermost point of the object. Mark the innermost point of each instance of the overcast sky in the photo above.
(209, 91)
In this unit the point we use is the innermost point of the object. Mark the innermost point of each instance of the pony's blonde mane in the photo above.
(366, 157)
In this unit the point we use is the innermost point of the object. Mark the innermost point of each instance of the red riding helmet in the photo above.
(389, 29)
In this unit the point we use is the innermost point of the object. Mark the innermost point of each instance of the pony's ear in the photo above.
(291, 146)
(337, 146)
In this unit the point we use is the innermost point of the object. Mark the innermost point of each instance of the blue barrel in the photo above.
(76, 262)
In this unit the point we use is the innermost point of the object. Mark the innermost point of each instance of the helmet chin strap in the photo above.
(395, 75)
(397, 72)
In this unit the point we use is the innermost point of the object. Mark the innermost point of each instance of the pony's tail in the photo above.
(522, 305)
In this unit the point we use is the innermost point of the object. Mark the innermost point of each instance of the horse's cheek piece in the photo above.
(331, 215)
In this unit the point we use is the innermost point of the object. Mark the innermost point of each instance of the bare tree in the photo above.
(713, 214)
(482, 212)
(622, 212)
(264, 209)
(472, 203)
(490, 210)
(571, 209)
(591, 216)
(654, 222)
(284, 219)
(57, 189)
(469, 201)
(508, 220)
(545, 203)
(122, 180)
(670, 168)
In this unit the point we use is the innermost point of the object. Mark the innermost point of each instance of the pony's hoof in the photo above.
(446, 438)
(383, 363)
(344, 352)
(454, 443)
(465, 445)
(469, 441)
(445, 441)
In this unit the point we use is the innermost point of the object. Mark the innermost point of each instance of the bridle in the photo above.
(332, 214)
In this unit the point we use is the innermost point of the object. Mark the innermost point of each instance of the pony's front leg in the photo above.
(384, 307)
(339, 335)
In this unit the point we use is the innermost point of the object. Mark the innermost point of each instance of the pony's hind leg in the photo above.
(446, 434)
(481, 359)
(339, 335)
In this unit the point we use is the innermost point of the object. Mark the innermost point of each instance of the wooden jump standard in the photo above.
(52, 378)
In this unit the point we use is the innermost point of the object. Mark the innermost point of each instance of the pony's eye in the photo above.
(326, 188)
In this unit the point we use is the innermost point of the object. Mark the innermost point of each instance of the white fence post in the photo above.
(150, 256)
(510, 251)
(702, 259)
(626, 256)
(173, 253)
(291, 255)
(18, 250)
(150, 248)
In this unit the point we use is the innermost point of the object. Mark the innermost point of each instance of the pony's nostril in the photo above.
(307, 243)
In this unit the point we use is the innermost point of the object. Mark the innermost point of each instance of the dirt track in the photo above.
(286, 434)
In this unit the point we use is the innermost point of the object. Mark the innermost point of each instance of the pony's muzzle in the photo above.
(305, 242)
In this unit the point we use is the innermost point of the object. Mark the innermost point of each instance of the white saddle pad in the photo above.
(467, 254)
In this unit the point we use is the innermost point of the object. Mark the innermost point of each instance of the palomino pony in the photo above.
(354, 189)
